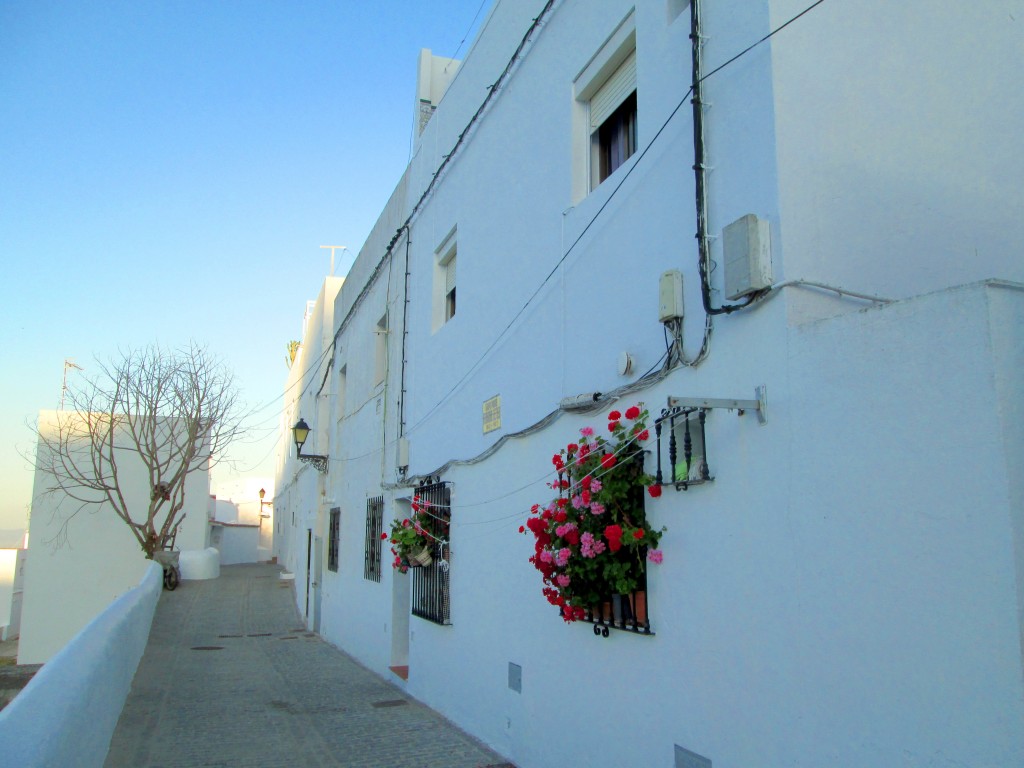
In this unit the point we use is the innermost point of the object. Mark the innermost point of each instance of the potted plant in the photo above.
(412, 542)
(593, 541)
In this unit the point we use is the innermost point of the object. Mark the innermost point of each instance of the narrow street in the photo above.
(231, 678)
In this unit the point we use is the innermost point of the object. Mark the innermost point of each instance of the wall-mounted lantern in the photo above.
(300, 432)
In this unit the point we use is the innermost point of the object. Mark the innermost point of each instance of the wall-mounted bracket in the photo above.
(759, 404)
(319, 462)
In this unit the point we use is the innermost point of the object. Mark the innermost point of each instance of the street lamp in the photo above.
(300, 432)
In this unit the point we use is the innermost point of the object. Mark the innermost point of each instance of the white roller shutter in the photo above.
(615, 90)
(449, 276)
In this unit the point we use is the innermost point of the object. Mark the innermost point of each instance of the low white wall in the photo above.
(199, 564)
(80, 692)
(237, 543)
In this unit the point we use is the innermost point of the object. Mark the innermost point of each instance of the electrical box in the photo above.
(403, 452)
(747, 251)
(670, 296)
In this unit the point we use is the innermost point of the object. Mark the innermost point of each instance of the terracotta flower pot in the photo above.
(638, 603)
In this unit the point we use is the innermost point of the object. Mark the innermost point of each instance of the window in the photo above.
(444, 280)
(381, 349)
(430, 595)
(339, 402)
(374, 528)
(606, 94)
(615, 140)
(332, 539)
(449, 288)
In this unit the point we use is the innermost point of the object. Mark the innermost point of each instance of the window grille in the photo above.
(430, 584)
(332, 539)
(374, 528)
(626, 611)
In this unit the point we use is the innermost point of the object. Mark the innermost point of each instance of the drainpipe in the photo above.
(700, 171)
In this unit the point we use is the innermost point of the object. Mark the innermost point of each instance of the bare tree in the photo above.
(174, 410)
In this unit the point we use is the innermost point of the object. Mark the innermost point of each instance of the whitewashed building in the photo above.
(83, 556)
(13, 550)
(849, 588)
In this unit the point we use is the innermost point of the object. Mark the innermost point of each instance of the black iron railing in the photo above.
(430, 583)
(332, 539)
(685, 425)
(624, 612)
(372, 547)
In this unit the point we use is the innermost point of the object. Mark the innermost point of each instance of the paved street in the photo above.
(230, 678)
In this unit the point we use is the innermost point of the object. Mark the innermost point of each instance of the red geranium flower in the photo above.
(614, 416)
(608, 460)
(572, 448)
(632, 412)
(638, 534)
(654, 490)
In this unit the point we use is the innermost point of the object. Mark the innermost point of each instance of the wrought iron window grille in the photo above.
(627, 613)
(333, 534)
(372, 547)
(685, 419)
(431, 598)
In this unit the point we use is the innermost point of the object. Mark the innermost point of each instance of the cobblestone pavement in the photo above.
(272, 694)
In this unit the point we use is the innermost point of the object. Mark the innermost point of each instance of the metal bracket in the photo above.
(319, 462)
(760, 404)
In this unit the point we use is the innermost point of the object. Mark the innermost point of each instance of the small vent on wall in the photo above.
(515, 677)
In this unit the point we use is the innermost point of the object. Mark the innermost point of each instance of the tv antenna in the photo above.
(333, 249)
(68, 363)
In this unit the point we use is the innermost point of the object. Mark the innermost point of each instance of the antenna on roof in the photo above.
(333, 249)
(68, 363)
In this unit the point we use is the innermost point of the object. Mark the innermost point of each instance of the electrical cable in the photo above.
(466, 35)
(608, 397)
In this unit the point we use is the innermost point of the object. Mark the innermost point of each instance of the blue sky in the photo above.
(168, 171)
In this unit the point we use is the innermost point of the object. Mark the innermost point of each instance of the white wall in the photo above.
(300, 497)
(69, 580)
(898, 149)
(67, 713)
(236, 543)
(8, 566)
(848, 590)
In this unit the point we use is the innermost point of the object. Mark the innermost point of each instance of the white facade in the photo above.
(300, 500)
(850, 588)
(74, 572)
(12, 572)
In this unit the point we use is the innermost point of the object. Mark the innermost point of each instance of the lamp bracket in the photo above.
(319, 462)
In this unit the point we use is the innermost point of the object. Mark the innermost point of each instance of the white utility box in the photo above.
(670, 296)
(747, 251)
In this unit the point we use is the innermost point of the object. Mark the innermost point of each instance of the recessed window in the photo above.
(445, 280)
(374, 529)
(431, 599)
(606, 97)
(449, 288)
(332, 539)
(615, 141)
(381, 349)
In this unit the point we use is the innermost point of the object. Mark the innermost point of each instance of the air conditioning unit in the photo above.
(747, 251)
